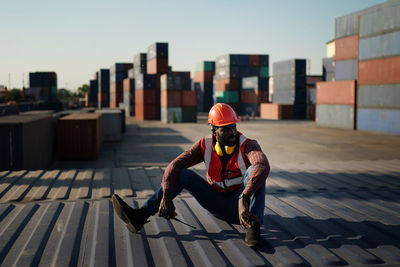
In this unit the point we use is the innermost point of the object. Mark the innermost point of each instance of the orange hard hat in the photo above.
(222, 114)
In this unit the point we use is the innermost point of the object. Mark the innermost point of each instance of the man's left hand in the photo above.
(245, 217)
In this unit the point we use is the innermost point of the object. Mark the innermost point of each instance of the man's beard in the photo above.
(228, 140)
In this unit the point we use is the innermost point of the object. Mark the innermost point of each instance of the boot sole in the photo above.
(116, 202)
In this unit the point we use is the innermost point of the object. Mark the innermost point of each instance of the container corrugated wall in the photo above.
(340, 116)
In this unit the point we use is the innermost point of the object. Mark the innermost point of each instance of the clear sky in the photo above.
(77, 38)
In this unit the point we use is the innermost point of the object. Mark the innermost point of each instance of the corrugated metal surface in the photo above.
(340, 92)
(343, 213)
(346, 70)
(346, 48)
(112, 124)
(382, 96)
(379, 71)
(384, 45)
(383, 20)
(379, 120)
(341, 116)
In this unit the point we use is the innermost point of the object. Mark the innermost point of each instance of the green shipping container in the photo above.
(204, 66)
(171, 115)
(227, 96)
(264, 72)
(189, 114)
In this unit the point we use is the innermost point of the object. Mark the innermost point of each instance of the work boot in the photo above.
(253, 238)
(134, 218)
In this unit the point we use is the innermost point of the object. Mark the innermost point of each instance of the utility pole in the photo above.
(9, 81)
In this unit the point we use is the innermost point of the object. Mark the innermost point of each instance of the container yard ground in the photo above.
(287, 142)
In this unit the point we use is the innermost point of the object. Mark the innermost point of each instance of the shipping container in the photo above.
(93, 92)
(254, 60)
(119, 71)
(249, 109)
(157, 50)
(349, 24)
(383, 20)
(204, 96)
(227, 60)
(230, 84)
(104, 88)
(186, 81)
(379, 120)
(385, 45)
(170, 82)
(145, 81)
(131, 73)
(189, 99)
(145, 97)
(276, 111)
(255, 83)
(157, 66)
(204, 76)
(339, 92)
(379, 71)
(346, 70)
(140, 62)
(145, 111)
(249, 97)
(384, 96)
(171, 114)
(330, 49)
(264, 72)
(189, 114)
(27, 142)
(225, 72)
(328, 69)
(227, 96)
(171, 98)
(340, 116)
(297, 66)
(346, 48)
(112, 124)
(79, 136)
(205, 66)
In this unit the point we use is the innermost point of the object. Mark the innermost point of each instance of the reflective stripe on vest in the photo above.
(240, 160)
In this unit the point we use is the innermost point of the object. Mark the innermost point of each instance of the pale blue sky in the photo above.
(77, 38)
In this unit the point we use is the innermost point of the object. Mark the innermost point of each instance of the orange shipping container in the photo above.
(129, 85)
(145, 112)
(249, 97)
(171, 98)
(346, 48)
(379, 71)
(339, 92)
(276, 111)
(157, 66)
(79, 136)
(145, 97)
(229, 84)
(254, 60)
(189, 99)
(203, 76)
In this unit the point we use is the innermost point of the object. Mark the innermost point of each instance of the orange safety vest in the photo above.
(234, 170)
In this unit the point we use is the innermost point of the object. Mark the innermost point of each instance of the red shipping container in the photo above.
(249, 97)
(346, 48)
(157, 66)
(263, 96)
(145, 112)
(145, 97)
(338, 92)
(117, 94)
(189, 99)
(203, 76)
(171, 98)
(254, 60)
(379, 71)
(229, 84)
(276, 111)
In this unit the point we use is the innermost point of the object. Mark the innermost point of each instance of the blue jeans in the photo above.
(221, 205)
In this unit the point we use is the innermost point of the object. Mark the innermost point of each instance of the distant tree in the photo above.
(63, 93)
(83, 90)
(14, 95)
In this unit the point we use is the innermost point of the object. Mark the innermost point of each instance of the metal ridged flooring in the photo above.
(326, 214)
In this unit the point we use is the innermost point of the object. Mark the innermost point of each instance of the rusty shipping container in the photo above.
(346, 48)
(171, 98)
(79, 136)
(189, 99)
(379, 71)
(276, 111)
(339, 92)
(27, 142)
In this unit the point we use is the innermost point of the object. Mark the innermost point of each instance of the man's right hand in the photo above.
(167, 208)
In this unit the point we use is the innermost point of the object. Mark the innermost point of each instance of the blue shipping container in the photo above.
(379, 120)
(380, 46)
(346, 70)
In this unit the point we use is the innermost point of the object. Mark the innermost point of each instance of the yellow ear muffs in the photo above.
(228, 149)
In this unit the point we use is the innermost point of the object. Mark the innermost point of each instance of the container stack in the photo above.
(203, 84)
(43, 86)
(254, 92)
(79, 136)
(230, 69)
(290, 86)
(129, 94)
(27, 142)
(379, 70)
(188, 97)
(118, 72)
(112, 125)
(145, 97)
(104, 88)
(335, 104)
(328, 69)
(171, 98)
(93, 91)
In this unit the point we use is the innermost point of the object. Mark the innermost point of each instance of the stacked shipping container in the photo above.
(43, 85)
(118, 72)
(254, 91)
(93, 92)
(104, 88)
(129, 94)
(379, 69)
(203, 84)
